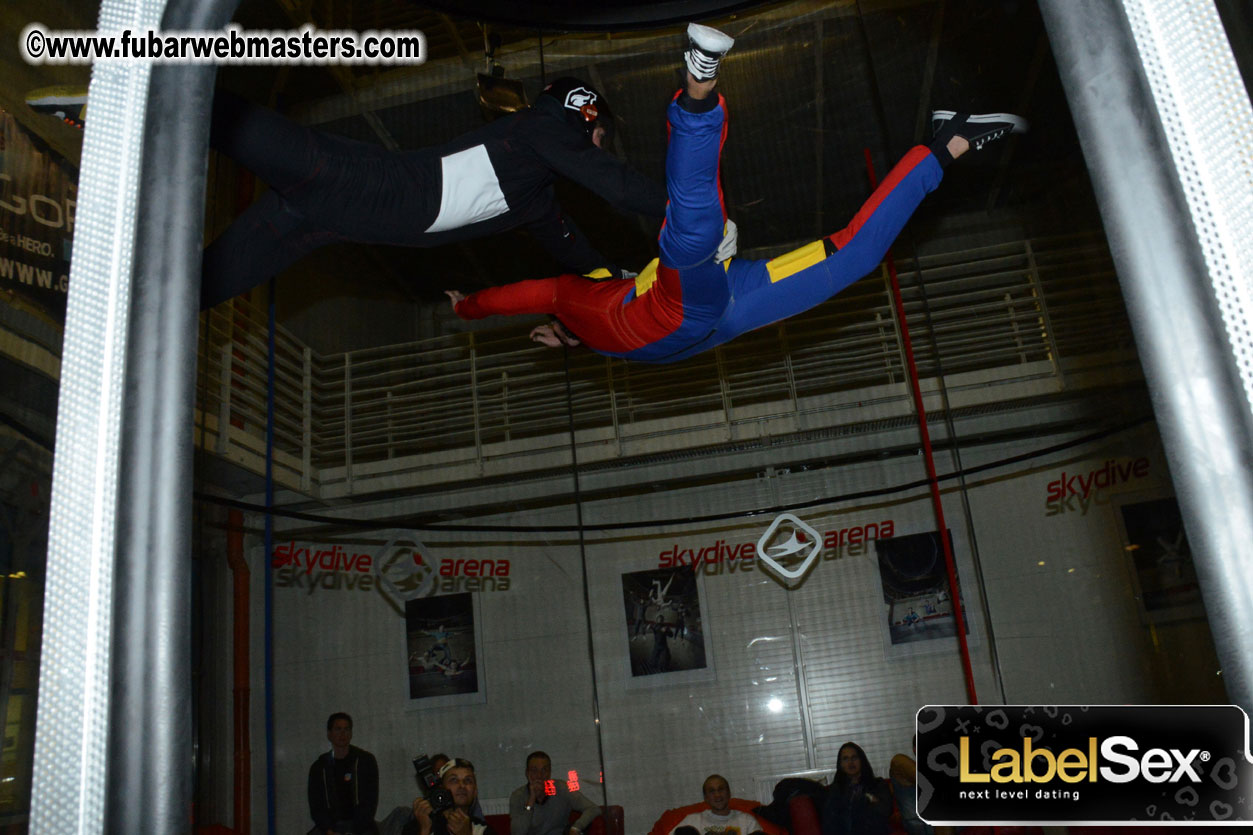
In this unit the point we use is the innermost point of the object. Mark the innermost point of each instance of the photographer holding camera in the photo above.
(447, 808)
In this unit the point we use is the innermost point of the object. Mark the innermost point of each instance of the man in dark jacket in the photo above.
(343, 784)
(327, 189)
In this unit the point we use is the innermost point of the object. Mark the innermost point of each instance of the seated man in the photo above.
(719, 814)
(458, 777)
(719, 817)
(343, 784)
(543, 805)
(684, 302)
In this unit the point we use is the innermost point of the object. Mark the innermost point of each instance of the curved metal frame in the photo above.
(113, 739)
(1137, 145)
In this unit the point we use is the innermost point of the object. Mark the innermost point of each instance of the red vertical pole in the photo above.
(959, 612)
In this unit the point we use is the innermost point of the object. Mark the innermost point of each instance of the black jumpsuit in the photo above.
(327, 189)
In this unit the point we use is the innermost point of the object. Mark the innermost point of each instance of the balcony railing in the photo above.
(483, 402)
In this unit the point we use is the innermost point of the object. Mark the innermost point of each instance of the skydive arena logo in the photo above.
(403, 567)
(406, 569)
(1084, 765)
(789, 547)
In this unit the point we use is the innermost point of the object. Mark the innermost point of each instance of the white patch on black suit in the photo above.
(470, 191)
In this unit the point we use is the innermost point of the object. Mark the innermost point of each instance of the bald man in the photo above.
(719, 818)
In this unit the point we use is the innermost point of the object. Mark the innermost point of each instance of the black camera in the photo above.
(433, 789)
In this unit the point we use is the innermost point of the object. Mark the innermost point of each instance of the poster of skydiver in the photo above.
(918, 604)
(665, 628)
(443, 649)
(1160, 559)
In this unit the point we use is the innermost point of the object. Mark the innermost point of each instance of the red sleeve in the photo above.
(534, 296)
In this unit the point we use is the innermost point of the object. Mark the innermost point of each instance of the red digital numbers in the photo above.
(572, 780)
(550, 788)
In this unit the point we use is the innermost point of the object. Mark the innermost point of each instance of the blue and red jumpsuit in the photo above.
(684, 303)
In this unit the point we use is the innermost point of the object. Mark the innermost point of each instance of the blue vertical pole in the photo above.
(269, 577)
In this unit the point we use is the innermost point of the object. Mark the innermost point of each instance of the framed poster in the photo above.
(444, 651)
(664, 628)
(918, 607)
(1158, 557)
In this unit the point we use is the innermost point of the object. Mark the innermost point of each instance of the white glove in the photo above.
(730, 243)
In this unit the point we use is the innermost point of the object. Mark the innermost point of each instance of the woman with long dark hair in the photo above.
(857, 802)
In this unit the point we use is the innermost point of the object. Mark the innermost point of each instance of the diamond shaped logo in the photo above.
(786, 542)
(404, 567)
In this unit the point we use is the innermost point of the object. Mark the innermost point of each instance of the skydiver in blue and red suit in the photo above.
(686, 302)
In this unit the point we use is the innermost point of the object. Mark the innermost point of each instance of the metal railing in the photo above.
(459, 405)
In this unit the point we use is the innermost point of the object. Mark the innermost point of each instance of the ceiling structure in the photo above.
(811, 86)
(814, 89)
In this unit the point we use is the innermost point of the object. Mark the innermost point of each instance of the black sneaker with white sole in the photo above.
(706, 47)
(976, 128)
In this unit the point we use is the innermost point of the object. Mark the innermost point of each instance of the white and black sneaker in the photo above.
(706, 46)
(978, 129)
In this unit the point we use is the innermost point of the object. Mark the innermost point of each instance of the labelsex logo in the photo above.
(1011, 764)
(1157, 765)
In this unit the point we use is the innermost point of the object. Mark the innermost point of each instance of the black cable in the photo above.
(417, 524)
(587, 593)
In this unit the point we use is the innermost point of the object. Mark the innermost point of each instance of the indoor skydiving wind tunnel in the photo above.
(1008, 466)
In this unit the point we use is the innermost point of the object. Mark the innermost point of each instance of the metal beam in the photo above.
(71, 736)
(1139, 131)
(149, 778)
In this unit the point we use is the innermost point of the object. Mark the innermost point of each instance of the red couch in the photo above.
(500, 823)
(670, 818)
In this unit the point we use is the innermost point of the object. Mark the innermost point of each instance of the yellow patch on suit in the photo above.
(793, 262)
(644, 281)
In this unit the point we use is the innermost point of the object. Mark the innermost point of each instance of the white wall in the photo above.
(1065, 620)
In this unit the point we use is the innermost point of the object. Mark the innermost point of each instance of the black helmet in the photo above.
(581, 105)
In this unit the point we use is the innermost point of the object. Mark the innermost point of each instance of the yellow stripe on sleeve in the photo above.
(793, 262)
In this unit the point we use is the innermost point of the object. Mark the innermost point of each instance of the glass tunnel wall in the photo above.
(505, 549)
(39, 169)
